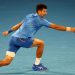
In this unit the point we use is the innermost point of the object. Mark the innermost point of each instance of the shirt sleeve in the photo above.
(45, 23)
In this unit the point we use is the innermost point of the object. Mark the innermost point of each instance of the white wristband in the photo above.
(68, 28)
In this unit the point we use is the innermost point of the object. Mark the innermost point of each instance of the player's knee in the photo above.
(7, 63)
(42, 42)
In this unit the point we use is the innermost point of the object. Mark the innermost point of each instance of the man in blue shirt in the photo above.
(24, 36)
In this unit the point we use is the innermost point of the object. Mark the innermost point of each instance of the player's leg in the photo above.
(10, 54)
(40, 47)
(8, 59)
(30, 42)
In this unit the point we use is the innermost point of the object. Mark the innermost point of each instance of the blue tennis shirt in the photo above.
(30, 25)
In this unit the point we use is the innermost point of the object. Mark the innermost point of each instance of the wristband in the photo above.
(68, 28)
(9, 31)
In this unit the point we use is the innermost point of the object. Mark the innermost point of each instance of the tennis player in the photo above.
(24, 36)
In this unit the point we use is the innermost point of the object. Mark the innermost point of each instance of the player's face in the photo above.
(43, 12)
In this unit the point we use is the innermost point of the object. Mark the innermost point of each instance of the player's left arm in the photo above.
(61, 28)
(14, 28)
(17, 26)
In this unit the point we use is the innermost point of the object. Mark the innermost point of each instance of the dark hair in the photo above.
(40, 7)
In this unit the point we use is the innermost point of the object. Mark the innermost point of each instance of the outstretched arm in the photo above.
(16, 26)
(61, 28)
(5, 33)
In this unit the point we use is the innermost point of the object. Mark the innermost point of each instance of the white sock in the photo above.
(37, 61)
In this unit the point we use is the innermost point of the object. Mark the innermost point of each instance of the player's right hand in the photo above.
(5, 33)
(73, 29)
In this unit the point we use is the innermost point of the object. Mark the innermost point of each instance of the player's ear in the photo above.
(39, 12)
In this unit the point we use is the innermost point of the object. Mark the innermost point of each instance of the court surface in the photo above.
(59, 52)
(59, 57)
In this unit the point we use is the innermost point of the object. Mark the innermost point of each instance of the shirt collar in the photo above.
(35, 14)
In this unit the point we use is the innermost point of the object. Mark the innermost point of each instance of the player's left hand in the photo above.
(5, 33)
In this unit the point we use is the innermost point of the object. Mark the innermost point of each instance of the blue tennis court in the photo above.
(59, 51)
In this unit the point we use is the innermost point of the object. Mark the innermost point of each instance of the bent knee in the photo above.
(7, 63)
(42, 42)
(7, 60)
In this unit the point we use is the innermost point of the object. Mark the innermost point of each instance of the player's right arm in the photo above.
(14, 28)
(57, 27)
(62, 28)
